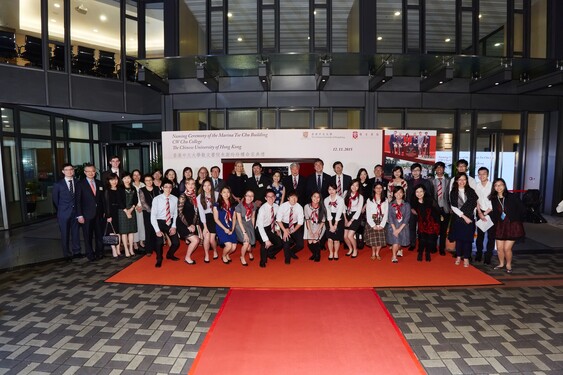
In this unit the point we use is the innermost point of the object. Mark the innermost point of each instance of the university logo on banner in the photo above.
(355, 135)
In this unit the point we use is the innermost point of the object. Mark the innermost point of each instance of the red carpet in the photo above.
(304, 332)
(361, 272)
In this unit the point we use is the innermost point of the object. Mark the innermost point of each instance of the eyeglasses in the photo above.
(270, 196)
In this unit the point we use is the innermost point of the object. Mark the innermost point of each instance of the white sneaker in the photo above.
(400, 253)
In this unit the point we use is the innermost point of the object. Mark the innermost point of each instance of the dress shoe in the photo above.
(272, 257)
(215, 256)
(354, 256)
(149, 254)
(329, 258)
(442, 252)
(312, 257)
(419, 257)
(263, 264)
(206, 261)
(348, 253)
(190, 263)
(226, 261)
(68, 259)
(412, 247)
(428, 257)
(78, 256)
(287, 261)
(250, 256)
(172, 257)
(336, 258)
(293, 256)
(158, 264)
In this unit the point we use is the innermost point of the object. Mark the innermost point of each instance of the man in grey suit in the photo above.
(441, 186)
(218, 183)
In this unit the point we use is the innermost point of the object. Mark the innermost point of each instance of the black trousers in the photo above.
(93, 229)
(272, 250)
(490, 242)
(70, 230)
(150, 235)
(294, 243)
(426, 244)
(444, 224)
(160, 241)
(413, 222)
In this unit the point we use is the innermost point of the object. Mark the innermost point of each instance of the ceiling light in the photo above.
(447, 40)
(466, 130)
(440, 82)
(496, 83)
(57, 5)
(81, 9)
(53, 20)
(229, 14)
(379, 38)
(480, 15)
(205, 82)
(6, 122)
(484, 127)
(397, 13)
(239, 39)
(498, 44)
(315, 12)
(122, 116)
(308, 38)
(103, 18)
(547, 86)
(4, 116)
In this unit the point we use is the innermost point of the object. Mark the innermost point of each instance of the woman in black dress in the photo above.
(237, 181)
(146, 195)
(111, 208)
(508, 214)
(170, 175)
(188, 219)
(186, 174)
(464, 201)
(128, 200)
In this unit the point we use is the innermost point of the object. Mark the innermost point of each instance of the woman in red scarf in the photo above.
(354, 201)
(398, 223)
(188, 219)
(376, 219)
(245, 213)
(224, 216)
(315, 216)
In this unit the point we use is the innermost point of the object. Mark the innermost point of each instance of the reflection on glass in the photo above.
(78, 129)
(389, 120)
(467, 32)
(243, 119)
(28, 34)
(268, 119)
(56, 30)
(35, 123)
(131, 39)
(345, 26)
(389, 26)
(295, 119)
(498, 121)
(294, 26)
(216, 120)
(243, 25)
(346, 119)
(59, 127)
(39, 176)
(192, 120)
(492, 25)
(321, 119)
(268, 30)
(217, 32)
(60, 155)
(7, 119)
(534, 151)
(440, 26)
(430, 120)
(11, 181)
(154, 23)
(413, 31)
(444, 150)
(320, 30)
(464, 137)
(79, 153)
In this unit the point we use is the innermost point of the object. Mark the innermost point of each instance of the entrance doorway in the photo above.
(141, 155)
(499, 152)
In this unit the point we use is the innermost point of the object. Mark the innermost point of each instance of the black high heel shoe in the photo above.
(225, 261)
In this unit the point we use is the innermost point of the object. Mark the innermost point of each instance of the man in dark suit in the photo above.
(64, 199)
(217, 182)
(258, 183)
(318, 181)
(294, 182)
(378, 176)
(90, 211)
(341, 180)
(115, 167)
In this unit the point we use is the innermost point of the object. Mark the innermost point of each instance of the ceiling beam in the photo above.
(381, 76)
(206, 78)
(149, 79)
(437, 78)
(323, 75)
(542, 82)
(495, 79)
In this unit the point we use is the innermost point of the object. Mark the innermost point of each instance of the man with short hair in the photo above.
(115, 167)
(341, 180)
(441, 196)
(462, 167)
(378, 176)
(290, 219)
(217, 182)
(318, 181)
(271, 243)
(412, 183)
(164, 212)
(258, 183)
(90, 211)
(295, 182)
(64, 199)
(484, 207)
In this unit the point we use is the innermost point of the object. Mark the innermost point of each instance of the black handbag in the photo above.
(110, 238)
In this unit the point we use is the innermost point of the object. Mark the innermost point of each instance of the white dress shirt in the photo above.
(283, 213)
(483, 193)
(339, 209)
(201, 211)
(357, 205)
(371, 209)
(264, 219)
(158, 210)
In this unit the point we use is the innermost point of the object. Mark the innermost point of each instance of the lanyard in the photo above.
(501, 203)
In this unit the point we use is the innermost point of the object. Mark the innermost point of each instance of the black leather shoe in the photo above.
(419, 258)
(172, 257)
(412, 247)
(293, 256)
(262, 265)
(312, 257)
(191, 264)
(158, 264)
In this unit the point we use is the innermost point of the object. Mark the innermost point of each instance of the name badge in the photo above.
(261, 185)
(101, 188)
(502, 216)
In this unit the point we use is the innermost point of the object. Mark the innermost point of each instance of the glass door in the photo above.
(498, 151)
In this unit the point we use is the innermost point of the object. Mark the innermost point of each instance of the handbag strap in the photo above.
(112, 228)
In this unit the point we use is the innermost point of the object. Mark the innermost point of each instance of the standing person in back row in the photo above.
(441, 196)
(90, 212)
(64, 194)
(484, 208)
(258, 183)
(413, 182)
(115, 167)
(341, 181)
(318, 181)
(295, 182)
(164, 212)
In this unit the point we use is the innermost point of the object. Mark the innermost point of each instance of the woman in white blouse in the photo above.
(205, 202)
(377, 210)
(354, 202)
(334, 205)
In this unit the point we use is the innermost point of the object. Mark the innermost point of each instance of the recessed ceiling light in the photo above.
(4, 116)
(239, 39)
(447, 40)
(131, 39)
(480, 15)
(397, 13)
(440, 82)
(496, 83)
(6, 122)
(315, 12)
(205, 82)
(148, 84)
(308, 38)
(57, 5)
(103, 18)
(498, 44)
(379, 38)
(466, 130)
(547, 86)
(95, 30)
(229, 14)
(122, 116)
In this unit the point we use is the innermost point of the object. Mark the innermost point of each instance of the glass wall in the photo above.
(154, 24)
(39, 176)
(389, 26)
(56, 30)
(242, 119)
(389, 120)
(295, 119)
(243, 26)
(192, 120)
(440, 26)
(347, 119)
(294, 26)
(35, 123)
(534, 151)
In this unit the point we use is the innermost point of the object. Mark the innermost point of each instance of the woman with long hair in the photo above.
(508, 215)
(157, 179)
(377, 210)
(128, 199)
(428, 216)
(315, 218)
(334, 205)
(202, 175)
(170, 175)
(186, 174)
(246, 218)
(139, 236)
(224, 216)
(111, 209)
(396, 181)
(277, 187)
(354, 202)
(237, 181)
(463, 200)
(206, 200)
(188, 219)
(398, 223)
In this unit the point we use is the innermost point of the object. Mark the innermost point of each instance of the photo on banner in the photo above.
(405, 147)
(273, 148)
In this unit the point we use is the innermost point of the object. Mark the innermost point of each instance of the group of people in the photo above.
(282, 212)
(415, 145)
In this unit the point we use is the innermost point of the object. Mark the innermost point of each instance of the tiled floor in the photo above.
(58, 318)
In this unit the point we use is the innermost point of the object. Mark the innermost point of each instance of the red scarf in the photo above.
(193, 197)
(228, 215)
(350, 199)
(333, 204)
(379, 209)
(249, 209)
(398, 213)
(314, 213)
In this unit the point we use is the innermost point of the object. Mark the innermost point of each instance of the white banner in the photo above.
(354, 148)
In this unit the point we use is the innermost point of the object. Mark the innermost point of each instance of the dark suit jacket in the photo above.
(346, 182)
(412, 185)
(88, 205)
(220, 184)
(301, 190)
(105, 175)
(259, 188)
(63, 200)
(312, 185)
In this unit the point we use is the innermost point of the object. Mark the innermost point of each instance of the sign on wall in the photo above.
(354, 148)
(405, 147)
